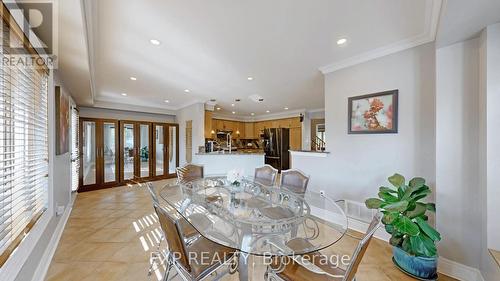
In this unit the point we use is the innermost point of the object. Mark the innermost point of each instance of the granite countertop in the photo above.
(310, 151)
(231, 153)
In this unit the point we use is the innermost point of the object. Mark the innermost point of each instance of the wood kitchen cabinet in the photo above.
(250, 130)
(296, 138)
(208, 125)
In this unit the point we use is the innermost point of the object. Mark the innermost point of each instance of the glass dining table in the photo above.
(258, 220)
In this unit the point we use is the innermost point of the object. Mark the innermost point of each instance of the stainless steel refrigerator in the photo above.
(276, 146)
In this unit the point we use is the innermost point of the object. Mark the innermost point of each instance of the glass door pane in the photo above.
(109, 152)
(159, 150)
(128, 151)
(89, 153)
(172, 149)
(144, 151)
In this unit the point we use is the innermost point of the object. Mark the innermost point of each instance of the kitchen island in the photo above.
(218, 163)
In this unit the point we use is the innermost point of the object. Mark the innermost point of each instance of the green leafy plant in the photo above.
(405, 216)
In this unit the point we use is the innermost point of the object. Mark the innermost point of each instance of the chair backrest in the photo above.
(294, 180)
(172, 231)
(152, 192)
(358, 254)
(265, 175)
(189, 173)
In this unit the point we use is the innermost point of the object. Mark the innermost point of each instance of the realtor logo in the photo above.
(37, 19)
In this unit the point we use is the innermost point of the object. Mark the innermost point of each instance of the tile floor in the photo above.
(111, 232)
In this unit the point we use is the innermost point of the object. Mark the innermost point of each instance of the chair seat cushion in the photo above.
(208, 256)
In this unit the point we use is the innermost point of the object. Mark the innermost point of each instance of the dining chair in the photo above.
(294, 180)
(265, 175)
(195, 261)
(293, 271)
(189, 172)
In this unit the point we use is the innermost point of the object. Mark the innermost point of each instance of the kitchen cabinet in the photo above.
(296, 138)
(250, 130)
(208, 125)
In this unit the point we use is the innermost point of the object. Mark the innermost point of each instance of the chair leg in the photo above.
(167, 270)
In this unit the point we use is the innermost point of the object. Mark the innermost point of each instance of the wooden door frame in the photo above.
(176, 126)
(138, 147)
(82, 187)
(117, 157)
(122, 156)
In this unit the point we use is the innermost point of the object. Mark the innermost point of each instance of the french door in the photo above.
(135, 150)
(166, 153)
(98, 153)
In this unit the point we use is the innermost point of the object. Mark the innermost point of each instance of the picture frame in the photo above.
(375, 113)
(62, 122)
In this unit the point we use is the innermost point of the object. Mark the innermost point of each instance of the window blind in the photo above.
(75, 149)
(23, 147)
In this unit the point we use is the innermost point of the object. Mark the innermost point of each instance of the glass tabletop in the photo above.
(257, 219)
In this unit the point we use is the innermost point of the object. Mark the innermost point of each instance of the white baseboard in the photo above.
(459, 271)
(43, 265)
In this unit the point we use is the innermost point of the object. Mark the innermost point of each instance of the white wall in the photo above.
(359, 164)
(92, 112)
(493, 136)
(196, 113)
(457, 152)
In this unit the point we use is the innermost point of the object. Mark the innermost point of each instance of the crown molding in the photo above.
(271, 116)
(132, 107)
(90, 22)
(433, 11)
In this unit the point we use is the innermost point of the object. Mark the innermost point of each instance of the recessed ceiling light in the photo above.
(250, 78)
(234, 112)
(133, 78)
(124, 94)
(252, 114)
(286, 108)
(155, 42)
(232, 104)
(341, 41)
(167, 101)
(267, 111)
(186, 91)
(218, 108)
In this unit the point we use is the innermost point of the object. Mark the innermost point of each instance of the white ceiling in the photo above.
(464, 19)
(211, 47)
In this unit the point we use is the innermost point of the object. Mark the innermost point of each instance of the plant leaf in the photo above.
(389, 228)
(389, 218)
(420, 209)
(396, 180)
(417, 182)
(421, 245)
(406, 226)
(428, 230)
(387, 189)
(406, 245)
(431, 207)
(396, 206)
(387, 197)
(374, 203)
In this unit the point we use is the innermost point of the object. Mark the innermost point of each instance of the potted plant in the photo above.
(412, 238)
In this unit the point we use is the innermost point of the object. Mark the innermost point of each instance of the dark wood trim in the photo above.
(394, 130)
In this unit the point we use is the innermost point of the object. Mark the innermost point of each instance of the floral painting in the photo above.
(374, 114)
(62, 120)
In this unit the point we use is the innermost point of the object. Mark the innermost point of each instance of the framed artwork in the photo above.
(374, 113)
(62, 122)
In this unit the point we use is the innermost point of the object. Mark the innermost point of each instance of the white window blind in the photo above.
(75, 149)
(23, 148)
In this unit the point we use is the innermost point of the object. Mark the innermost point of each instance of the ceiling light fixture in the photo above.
(341, 41)
(286, 108)
(186, 91)
(123, 94)
(250, 78)
(218, 108)
(155, 42)
(267, 111)
(252, 114)
(232, 104)
(234, 112)
(167, 101)
(133, 78)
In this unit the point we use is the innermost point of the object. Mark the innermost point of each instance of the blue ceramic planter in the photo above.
(421, 267)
